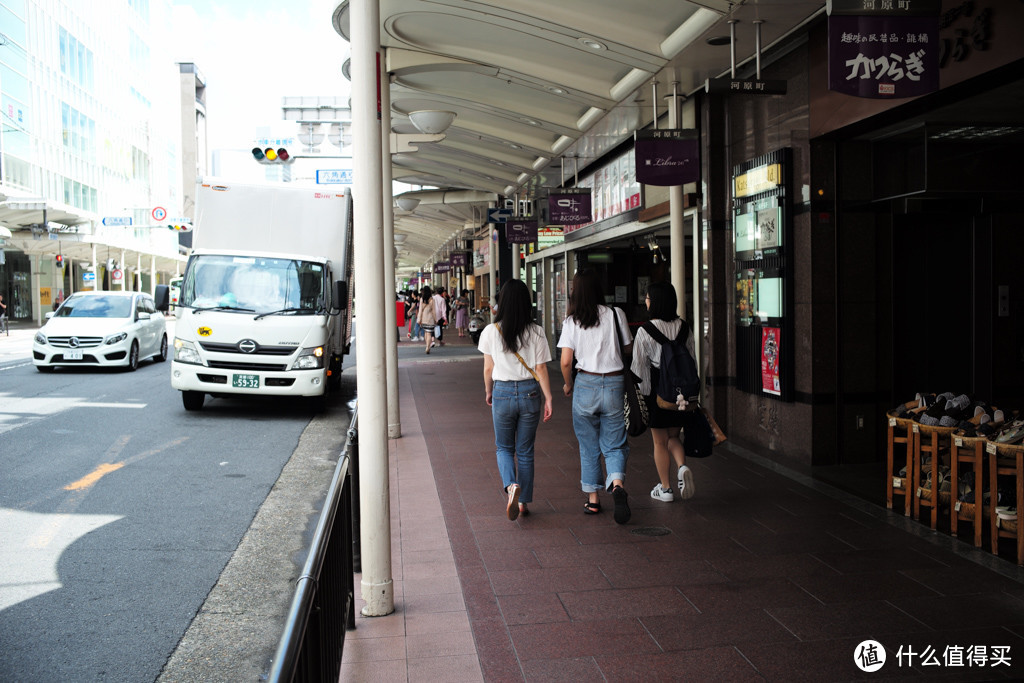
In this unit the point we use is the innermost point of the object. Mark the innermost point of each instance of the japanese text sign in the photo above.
(667, 157)
(883, 57)
(569, 206)
(518, 231)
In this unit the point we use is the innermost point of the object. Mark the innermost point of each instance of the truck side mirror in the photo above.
(340, 295)
(162, 297)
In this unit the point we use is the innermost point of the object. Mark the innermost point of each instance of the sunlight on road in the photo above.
(18, 411)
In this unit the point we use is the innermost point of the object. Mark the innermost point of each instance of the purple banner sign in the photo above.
(667, 157)
(442, 267)
(518, 231)
(457, 258)
(883, 57)
(569, 206)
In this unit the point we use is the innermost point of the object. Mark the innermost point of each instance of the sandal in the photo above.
(591, 508)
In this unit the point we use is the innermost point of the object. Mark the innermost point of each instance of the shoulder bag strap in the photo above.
(618, 336)
(528, 368)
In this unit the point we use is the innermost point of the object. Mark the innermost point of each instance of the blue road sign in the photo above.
(117, 220)
(334, 177)
(498, 215)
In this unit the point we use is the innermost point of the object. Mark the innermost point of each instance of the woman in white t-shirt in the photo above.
(516, 387)
(599, 344)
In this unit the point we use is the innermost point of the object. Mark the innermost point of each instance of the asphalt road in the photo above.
(119, 511)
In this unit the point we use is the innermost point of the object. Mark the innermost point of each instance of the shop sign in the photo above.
(744, 86)
(457, 259)
(883, 50)
(569, 206)
(549, 237)
(667, 157)
(756, 180)
(518, 231)
(442, 267)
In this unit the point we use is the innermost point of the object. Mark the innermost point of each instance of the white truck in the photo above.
(266, 300)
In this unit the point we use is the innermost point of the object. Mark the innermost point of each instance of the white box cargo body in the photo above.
(265, 303)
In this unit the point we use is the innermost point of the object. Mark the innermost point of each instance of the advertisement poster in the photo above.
(770, 360)
(746, 296)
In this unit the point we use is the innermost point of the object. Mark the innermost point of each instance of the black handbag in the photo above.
(634, 408)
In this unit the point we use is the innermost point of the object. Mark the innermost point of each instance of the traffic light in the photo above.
(181, 227)
(269, 155)
(60, 261)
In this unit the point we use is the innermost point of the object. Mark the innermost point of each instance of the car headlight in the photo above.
(185, 352)
(114, 338)
(40, 338)
(309, 359)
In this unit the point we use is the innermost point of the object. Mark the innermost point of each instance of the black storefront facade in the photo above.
(897, 270)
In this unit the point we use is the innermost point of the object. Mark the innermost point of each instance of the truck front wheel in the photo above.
(193, 400)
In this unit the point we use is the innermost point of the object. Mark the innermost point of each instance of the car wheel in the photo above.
(44, 368)
(133, 357)
(162, 356)
(193, 400)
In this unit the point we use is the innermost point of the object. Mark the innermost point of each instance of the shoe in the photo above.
(662, 494)
(686, 487)
(523, 510)
(513, 502)
(591, 508)
(622, 513)
(428, 350)
(433, 344)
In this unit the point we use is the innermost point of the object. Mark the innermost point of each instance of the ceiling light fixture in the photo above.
(407, 203)
(592, 43)
(431, 121)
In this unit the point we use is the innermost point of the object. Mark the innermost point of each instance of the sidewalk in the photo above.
(760, 576)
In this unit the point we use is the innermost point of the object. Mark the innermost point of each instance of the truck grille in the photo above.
(247, 367)
(261, 350)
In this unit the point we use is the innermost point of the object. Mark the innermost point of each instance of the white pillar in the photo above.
(677, 238)
(35, 262)
(390, 313)
(517, 272)
(492, 266)
(549, 299)
(138, 269)
(124, 272)
(374, 490)
(95, 267)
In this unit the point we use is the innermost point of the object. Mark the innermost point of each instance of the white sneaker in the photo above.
(664, 495)
(686, 487)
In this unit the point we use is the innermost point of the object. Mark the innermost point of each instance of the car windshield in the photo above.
(254, 284)
(96, 307)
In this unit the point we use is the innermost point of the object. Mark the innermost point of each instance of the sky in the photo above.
(252, 53)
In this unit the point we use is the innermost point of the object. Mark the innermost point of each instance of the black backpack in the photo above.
(677, 373)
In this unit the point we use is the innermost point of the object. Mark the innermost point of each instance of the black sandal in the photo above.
(591, 508)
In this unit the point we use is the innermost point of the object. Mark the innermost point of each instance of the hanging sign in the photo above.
(667, 157)
(744, 86)
(458, 258)
(519, 231)
(442, 267)
(569, 206)
(883, 50)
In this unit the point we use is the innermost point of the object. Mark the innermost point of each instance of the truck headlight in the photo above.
(309, 359)
(185, 352)
(114, 338)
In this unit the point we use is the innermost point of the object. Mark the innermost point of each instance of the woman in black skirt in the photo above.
(665, 424)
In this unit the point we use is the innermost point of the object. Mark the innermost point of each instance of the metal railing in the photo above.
(323, 607)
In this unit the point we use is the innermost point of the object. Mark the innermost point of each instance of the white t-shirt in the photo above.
(596, 348)
(507, 368)
(647, 352)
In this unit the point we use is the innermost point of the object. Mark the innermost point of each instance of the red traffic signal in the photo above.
(269, 155)
(60, 261)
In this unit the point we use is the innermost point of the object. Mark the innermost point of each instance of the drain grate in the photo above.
(651, 531)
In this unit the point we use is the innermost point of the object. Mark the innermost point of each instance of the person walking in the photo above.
(462, 313)
(413, 333)
(591, 336)
(517, 388)
(427, 316)
(440, 314)
(665, 424)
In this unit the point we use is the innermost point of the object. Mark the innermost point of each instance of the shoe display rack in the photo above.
(1006, 460)
(900, 464)
(930, 445)
(967, 456)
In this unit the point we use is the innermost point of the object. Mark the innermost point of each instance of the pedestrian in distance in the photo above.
(665, 424)
(462, 313)
(440, 314)
(427, 316)
(517, 388)
(591, 337)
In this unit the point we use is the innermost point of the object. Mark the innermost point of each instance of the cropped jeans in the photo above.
(600, 428)
(516, 410)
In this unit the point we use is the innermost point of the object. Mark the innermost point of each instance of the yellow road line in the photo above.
(94, 476)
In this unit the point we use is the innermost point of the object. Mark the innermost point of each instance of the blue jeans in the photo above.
(515, 409)
(600, 428)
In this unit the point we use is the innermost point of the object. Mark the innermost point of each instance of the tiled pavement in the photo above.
(763, 575)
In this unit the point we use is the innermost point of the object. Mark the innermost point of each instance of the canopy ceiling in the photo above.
(536, 81)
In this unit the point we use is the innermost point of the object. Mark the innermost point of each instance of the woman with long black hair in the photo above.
(427, 316)
(517, 389)
(599, 344)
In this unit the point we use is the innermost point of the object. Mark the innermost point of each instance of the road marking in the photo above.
(94, 476)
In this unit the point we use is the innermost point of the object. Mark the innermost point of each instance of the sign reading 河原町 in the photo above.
(570, 206)
(883, 57)
(667, 157)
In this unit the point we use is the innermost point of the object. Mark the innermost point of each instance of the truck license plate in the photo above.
(73, 355)
(245, 381)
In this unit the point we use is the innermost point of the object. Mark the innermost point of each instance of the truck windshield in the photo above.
(254, 284)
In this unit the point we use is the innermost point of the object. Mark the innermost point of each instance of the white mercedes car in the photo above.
(101, 329)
